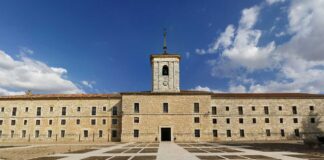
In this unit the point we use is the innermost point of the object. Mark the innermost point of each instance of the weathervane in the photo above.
(164, 41)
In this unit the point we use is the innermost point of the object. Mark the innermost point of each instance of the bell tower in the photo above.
(165, 70)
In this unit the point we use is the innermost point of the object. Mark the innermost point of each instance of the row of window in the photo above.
(114, 121)
(64, 112)
(62, 133)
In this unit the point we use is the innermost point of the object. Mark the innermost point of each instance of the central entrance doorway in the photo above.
(165, 134)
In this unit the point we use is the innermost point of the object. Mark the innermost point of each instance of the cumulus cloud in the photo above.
(24, 73)
(88, 84)
(270, 2)
(207, 89)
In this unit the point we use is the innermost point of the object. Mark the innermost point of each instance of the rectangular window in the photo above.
(36, 133)
(136, 108)
(85, 133)
(0, 133)
(50, 122)
(1, 122)
(282, 132)
(114, 121)
(39, 111)
(136, 133)
(281, 120)
(242, 133)
(2, 109)
(13, 122)
(215, 134)
(279, 108)
(253, 120)
(78, 121)
(114, 133)
(196, 120)
(241, 120)
(227, 108)
(268, 132)
(253, 108)
(14, 111)
(240, 110)
(51, 109)
(63, 121)
(196, 107)
(165, 107)
(49, 133)
(37, 122)
(104, 108)
(214, 110)
(23, 133)
(136, 119)
(294, 109)
(104, 121)
(214, 121)
(266, 120)
(12, 133)
(295, 120)
(312, 120)
(311, 108)
(297, 133)
(79, 109)
(100, 133)
(26, 109)
(93, 121)
(114, 111)
(63, 111)
(93, 111)
(228, 121)
(25, 122)
(197, 133)
(266, 110)
(62, 133)
(228, 133)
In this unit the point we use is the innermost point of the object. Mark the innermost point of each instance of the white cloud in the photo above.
(270, 2)
(207, 89)
(88, 84)
(26, 73)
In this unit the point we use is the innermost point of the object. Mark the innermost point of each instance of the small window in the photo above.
(214, 121)
(62, 133)
(63, 121)
(214, 110)
(13, 122)
(297, 134)
(1, 122)
(51, 109)
(12, 133)
(268, 133)
(49, 133)
(136, 119)
(63, 111)
(23, 133)
(2, 109)
(0, 133)
(93, 121)
(197, 133)
(253, 108)
(114, 111)
(280, 108)
(36, 133)
(50, 122)
(136, 108)
(294, 109)
(136, 133)
(38, 122)
(165, 70)
(282, 132)
(85, 133)
(14, 111)
(253, 120)
(104, 108)
(165, 107)
(113, 133)
(196, 120)
(242, 133)
(295, 120)
(241, 120)
(312, 120)
(240, 110)
(114, 121)
(266, 110)
(104, 121)
(215, 134)
(196, 107)
(100, 133)
(228, 133)
(227, 108)
(78, 121)
(266, 120)
(39, 111)
(228, 121)
(311, 108)
(26, 109)
(281, 120)
(79, 109)
(94, 111)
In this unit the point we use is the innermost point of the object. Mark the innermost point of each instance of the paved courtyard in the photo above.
(176, 151)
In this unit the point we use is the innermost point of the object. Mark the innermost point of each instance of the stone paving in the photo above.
(176, 151)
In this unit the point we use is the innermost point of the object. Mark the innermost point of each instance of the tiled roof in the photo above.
(60, 96)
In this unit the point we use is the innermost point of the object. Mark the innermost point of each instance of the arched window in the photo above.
(165, 70)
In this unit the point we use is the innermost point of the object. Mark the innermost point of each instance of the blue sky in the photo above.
(104, 46)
